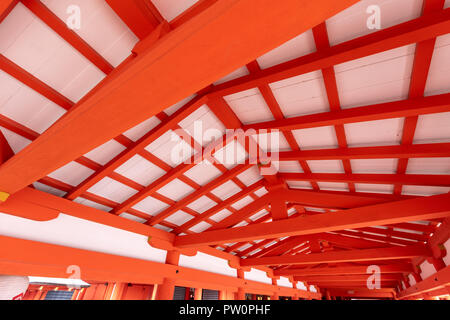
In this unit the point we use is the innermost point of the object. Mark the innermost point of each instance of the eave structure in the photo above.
(289, 148)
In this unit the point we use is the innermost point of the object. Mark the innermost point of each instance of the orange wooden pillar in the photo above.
(240, 294)
(198, 294)
(223, 295)
(166, 289)
(275, 296)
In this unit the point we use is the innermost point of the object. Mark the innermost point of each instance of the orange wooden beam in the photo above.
(381, 214)
(399, 152)
(25, 257)
(439, 280)
(410, 32)
(164, 74)
(394, 268)
(341, 256)
(361, 292)
(405, 179)
(345, 278)
(387, 110)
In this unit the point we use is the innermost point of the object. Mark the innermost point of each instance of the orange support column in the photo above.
(198, 294)
(438, 263)
(166, 289)
(240, 295)
(223, 295)
(275, 296)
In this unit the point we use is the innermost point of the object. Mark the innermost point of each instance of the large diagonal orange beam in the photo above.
(176, 66)
(341, 256)
(431, 150)
(422, 208)
(388, 110)
(413, 31)
(407, 179)
(393, 268)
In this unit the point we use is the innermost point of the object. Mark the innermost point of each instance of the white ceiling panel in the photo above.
(150, 206)
(374, 133)
(374, 188)
(352, 22)
(301, 95)
(179, 218)
(250, 176)
(378, 78)
(170, 148)
(374, 165)
(140, 170)
(299, 184)
(112, 190)
(290, 166)
(72, 173)
(316, 138)
(424, 190)
(294, 48)
(92, 204)
(203, 126)
(261, 192)
(202, 204)
(231, 155)
(326, 166)
(272, 141)
(428, 166)
(200, 227)
(141, 129)
(333, 186)
(203, 173)
(106, 152)
(242, 203)
(176, 190)
(132, 217)
(249, 106)
(438, 80)
(170, 9)
(219, 216)
(50, 190)
(433, 128)
(226, 190)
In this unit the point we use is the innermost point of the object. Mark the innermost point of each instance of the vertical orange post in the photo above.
(166, 289)
(223, 295)
(240, 295)
(275, 296)
(198, 294)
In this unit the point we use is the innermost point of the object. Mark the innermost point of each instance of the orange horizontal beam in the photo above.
(341, 256)
(175, 67)
(25, 257)
(405, 179)
(439, 280)
(422, 208)
(403, 151)
(400, 268)
(410, 32)
(388, 110)
(345, 278)
(361, 292)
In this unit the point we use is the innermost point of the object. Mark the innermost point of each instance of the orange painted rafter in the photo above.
(405, 179)
(49, 18)
(416, 30)
(396, 109)
(394, 152)
(179, 55)
(277, 113)
(5, 149)
(341, 256)
(380, 214)
(357, 270)
(329, 78)
(381, 239)
(421, 66)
